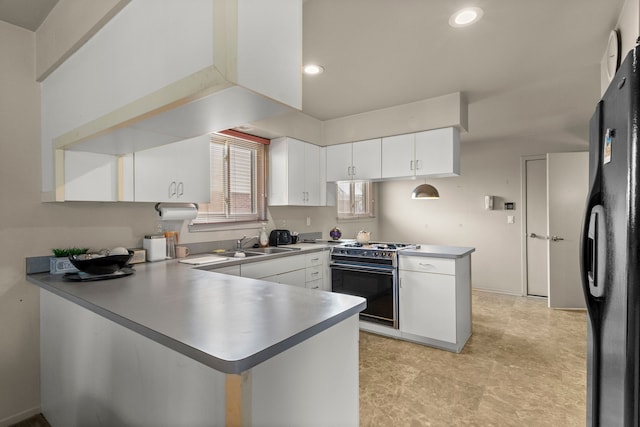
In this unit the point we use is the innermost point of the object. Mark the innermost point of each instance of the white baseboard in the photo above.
(20, 416)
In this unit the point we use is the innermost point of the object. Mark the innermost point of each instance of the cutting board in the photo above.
(203, 260)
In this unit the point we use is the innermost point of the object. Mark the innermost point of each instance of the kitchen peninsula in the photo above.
(176, 345)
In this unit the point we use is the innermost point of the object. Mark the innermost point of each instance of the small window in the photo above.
(355, 199)
(237, 182)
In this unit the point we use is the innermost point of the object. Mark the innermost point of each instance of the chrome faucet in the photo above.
(240, 241)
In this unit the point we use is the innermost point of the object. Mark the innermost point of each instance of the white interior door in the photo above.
(568, 177)
(536, 227)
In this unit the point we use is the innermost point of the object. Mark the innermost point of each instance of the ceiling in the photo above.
(526, 68)
(27, 14)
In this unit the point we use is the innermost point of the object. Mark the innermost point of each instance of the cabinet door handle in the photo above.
(418, 164)
(172, 189)
(422, 264)
(348, 170)
(353, 168)
(180, 188)
(411, 165)
(314, 259)
(315, 273)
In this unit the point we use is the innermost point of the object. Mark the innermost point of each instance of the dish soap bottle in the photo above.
(263, 239)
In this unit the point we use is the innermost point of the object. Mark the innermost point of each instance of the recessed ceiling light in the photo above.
(312, 69)
(466, 16)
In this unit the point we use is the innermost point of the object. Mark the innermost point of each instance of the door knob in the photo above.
(556, 238)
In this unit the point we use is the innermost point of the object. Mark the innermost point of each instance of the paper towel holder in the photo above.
(159, 207)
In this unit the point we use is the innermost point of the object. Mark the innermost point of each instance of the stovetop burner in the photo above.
(380, 245)
(371, 250)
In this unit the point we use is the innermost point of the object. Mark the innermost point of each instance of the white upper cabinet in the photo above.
(177, 172)
(339, 162)
(434, 153)
(354, 161)
(294, 173)
(398, 156)
(161, 72)
(438, 152)
(90, 177)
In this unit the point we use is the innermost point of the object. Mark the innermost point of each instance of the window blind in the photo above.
(238, 176)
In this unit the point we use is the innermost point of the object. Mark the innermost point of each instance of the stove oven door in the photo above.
(377, 284)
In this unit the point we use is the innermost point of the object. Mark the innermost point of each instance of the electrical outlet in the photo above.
(308, 221)
(511, 219)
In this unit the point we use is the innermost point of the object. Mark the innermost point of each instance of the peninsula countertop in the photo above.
(226, 322)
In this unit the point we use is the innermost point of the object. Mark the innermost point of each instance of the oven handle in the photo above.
(349, 267)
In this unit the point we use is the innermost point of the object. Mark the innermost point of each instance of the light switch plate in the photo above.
(511, 219)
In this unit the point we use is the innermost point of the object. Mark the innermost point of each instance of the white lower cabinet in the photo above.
(273, 267)
(293, 278)
(428, 305)
(303, 270)
(314, 263)
(435, 300)
(315, 284)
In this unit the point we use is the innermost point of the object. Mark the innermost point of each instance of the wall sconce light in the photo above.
(488, 203)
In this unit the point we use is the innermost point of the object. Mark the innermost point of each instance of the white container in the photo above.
(156, 247)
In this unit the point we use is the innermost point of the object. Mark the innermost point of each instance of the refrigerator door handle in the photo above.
(596, 251)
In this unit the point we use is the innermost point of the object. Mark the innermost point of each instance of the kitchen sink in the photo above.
(232, 254)
(272, 250)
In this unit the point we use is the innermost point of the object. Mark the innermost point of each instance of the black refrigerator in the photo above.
(610, 255)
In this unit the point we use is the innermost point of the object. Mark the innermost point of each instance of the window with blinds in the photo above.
(238, 176)
(355, 199)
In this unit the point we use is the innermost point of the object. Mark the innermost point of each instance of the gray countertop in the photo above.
(226, 322)
(438, 251)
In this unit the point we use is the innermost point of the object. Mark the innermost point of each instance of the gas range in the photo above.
(369, 271)
(371, 250)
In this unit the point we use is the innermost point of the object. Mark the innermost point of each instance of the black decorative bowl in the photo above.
(101, 265)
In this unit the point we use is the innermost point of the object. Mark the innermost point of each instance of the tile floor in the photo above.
(525, 365)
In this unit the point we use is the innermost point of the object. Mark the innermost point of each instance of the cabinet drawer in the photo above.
(313, 273)
(315, 284)
(258, 270)
(314, 259)
(427, 264)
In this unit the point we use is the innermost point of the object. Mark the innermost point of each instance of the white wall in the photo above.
(31, 228)
(458, 218)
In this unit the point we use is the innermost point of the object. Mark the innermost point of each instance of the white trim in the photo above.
(523, 223)
(20, 416)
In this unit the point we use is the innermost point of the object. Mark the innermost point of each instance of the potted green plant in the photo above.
(59, 263)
